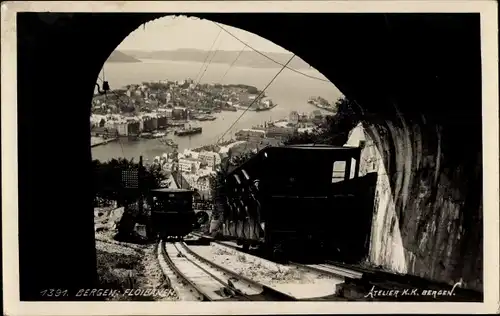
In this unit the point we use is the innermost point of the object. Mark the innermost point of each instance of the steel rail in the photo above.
(266, 290)
(179, 274)
(330, 270)
(225, 284)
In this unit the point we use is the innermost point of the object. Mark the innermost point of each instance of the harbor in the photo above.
(258, 126)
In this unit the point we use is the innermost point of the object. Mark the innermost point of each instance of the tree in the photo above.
(108, 184)
(253, 90)
(218, 191)
(127, 108)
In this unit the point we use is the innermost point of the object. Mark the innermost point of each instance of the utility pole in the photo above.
(180, 176)
(140, 180)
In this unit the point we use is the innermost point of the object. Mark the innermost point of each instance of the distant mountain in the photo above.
(119, 57)
(247, 59)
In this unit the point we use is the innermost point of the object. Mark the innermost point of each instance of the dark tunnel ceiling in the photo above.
(403, 58)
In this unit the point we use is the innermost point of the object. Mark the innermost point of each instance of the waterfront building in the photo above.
(179, 113)
(133, 127)
(96, 119)
(147, 124)
(105, 132)
(150, 122)
(294, 118)
(225, 149)
(162, 120)
(141, 124)
(109, 124)
(250, 135)
(270, 142)
(280, 133)
(122, 128)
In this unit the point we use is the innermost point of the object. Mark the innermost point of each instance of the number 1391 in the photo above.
(54, 292)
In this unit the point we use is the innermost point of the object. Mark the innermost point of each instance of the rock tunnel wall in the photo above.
(421, 223)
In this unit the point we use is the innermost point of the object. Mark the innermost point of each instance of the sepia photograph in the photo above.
(305, 156)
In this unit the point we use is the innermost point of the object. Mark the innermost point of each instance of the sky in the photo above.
(170, 33)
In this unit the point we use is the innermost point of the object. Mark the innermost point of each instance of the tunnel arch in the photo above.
(135, 25)
(416, 77)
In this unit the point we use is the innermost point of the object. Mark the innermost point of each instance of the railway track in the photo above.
(330, 269)
(322, 268)
(208, 281)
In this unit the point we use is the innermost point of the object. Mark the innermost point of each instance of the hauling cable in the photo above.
(257, 98)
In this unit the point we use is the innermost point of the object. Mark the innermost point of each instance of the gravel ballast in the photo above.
(291, 280)
(132, 271)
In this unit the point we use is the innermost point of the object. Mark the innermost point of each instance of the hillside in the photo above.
(119, 57)
(246, 59)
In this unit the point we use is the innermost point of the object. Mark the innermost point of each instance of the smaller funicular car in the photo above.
(172, 213)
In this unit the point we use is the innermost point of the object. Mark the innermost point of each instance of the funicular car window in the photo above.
(338, 174)
(172, 202)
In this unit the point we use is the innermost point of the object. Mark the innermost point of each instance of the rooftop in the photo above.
(251, 130)
(322, 146)
(170, 190)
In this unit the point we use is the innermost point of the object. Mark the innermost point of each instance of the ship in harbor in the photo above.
(321, 103)
(152, 135)
(264, 104)
(188, 129)
(169, 142)
(206, 118)
(266, 108)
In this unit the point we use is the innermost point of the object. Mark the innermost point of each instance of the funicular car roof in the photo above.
(171, 190)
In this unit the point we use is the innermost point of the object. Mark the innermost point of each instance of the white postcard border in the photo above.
(489, 45)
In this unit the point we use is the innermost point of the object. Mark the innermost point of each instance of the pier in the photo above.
(97, 141)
